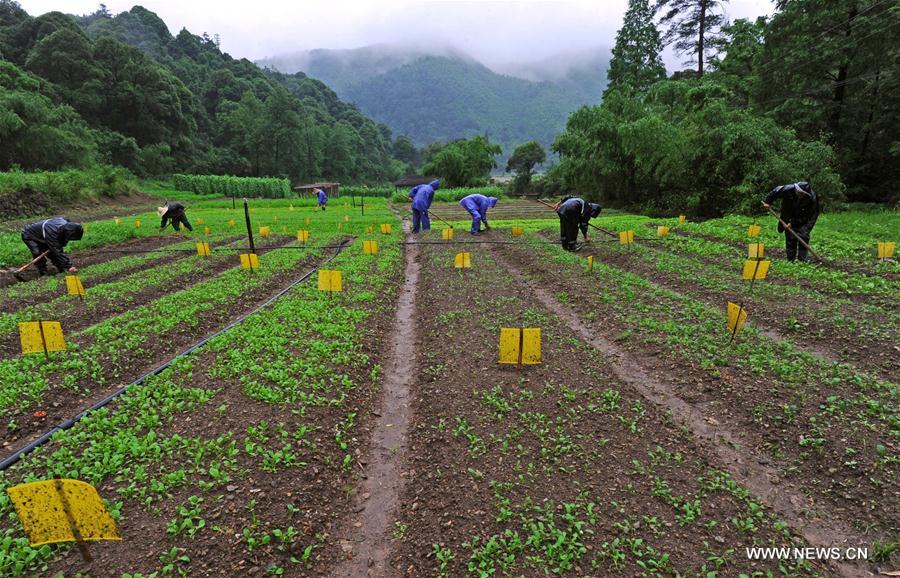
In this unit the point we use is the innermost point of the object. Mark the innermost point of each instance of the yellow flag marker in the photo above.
(447, 234)
(203, 249)
(41, 337)
(520, 346)
(886, 250)
(662, 231)
(231, 223)
(682, 219)
(386, 228)
(118, 221)
(330, 280)
(303, 235)
(753, 230)
(74, 285)
(137, 224)
(63, 510)
(249, 261)
(590, 262)
(516, 231)
(736, 317)
(462, 260)
(199, 220)
(264, 231)
(755, 270)
(756, 251)
(626, 237)
(370, 247)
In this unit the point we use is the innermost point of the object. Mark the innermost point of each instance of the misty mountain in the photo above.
(439, 97)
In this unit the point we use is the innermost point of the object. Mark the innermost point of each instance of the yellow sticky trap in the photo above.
(626, 237)
(330, 280)
(206, 230)
(520, 346)
(662, 231)
(264, 231)
(137, 224)
(54, 511)
(74, 285)
(118, 221)
(462, 260)
(199, 220)
(249, 261)
(41, 337)
(590, 262)
(370, 229)
(231, 223)
(346, 218)
(447, 234)
(736, 317)
(203, 249)
(753, 230)
(303, 235)
(370, 247)
(291, 207)
(682, 219)
(886, 250)
(756, 251)
(386, 228)
(252, 210)
(517, 231)
(755, 270)
(306, 220)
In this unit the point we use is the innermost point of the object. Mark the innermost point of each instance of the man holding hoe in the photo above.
(421, 197)
(477, 206)
(173, 212)
(799, 211)
(48, 239)
(574, 213)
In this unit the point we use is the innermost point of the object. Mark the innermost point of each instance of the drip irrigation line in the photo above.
(215, 249)
(17, 455)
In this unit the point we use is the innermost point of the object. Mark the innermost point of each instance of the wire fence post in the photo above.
(249, 226)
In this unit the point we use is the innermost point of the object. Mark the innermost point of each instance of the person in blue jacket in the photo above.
(421, 202)
(323, 198)
(477, 206)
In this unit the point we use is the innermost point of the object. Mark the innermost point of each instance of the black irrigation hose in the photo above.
(16, 456)
(215, 249)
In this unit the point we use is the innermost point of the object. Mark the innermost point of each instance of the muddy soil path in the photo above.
(368, 545)
(745, 466)
(804, 321)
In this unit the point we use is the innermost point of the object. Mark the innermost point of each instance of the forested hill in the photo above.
(123, 90)
(441, 97)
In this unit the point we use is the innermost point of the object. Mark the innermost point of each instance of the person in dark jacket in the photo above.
(799, 210)
(575, 213)
(52, 236)
(173, 212)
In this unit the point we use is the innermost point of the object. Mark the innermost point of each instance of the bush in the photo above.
(253, 187)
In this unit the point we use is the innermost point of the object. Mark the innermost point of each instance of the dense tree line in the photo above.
(809, 94)
(78, 91)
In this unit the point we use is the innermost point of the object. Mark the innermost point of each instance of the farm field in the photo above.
(372, 431)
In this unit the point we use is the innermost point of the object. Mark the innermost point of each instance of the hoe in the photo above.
(17, 273)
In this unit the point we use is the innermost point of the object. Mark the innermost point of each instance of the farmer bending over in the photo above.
(51, 237)
(173, 212)
(799, 211)
(575, 213)
(477, 206)
(421, 202)
(323, 198)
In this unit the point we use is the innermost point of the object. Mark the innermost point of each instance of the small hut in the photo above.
(331, 189)
(411, 181)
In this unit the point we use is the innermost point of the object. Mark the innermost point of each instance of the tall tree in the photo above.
(694, 27)
(636, 62)
(523, 160)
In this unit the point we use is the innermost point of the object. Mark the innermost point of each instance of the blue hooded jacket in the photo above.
(479, 203)
(323, 198)
(424, 195)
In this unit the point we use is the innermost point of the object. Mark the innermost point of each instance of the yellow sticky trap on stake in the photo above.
(264, 231)
(370, 229)
(756, 251)
(306, 220)
(626, 237)
(41, 337)
(74, 285)
(736, 317)
(462, 260)
(55, 511)
(590, 262)
(118, 221)
(682, 219)
(517, 231)
(753, 230)
(303, 235)
(346, 218)
(886, 250)
(207, 230)
(330, 280)
(137, 224)
(520, 346)
(291, 207)
(755, 270)
(199, 220)
(370, 247)
(662, 231)
(447, 234)
(386, 228)
(231, 223)
(203, 249)
(249, 261)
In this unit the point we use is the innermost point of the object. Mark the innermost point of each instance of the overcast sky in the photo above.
(493, 32)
